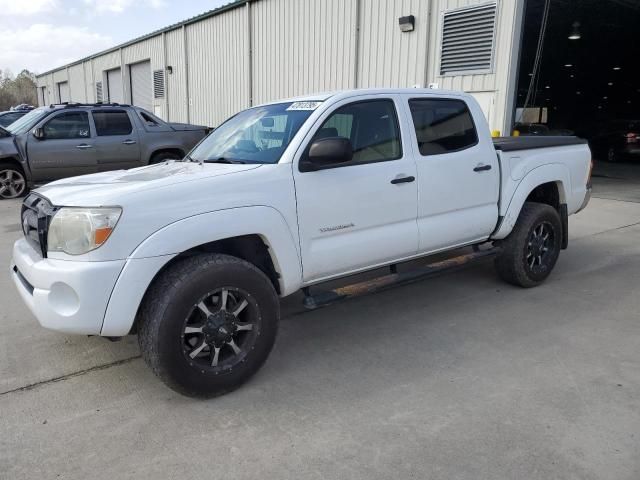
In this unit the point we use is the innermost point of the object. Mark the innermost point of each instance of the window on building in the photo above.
(371, 126)
(67, 125)
(114, 122)
(442, 125)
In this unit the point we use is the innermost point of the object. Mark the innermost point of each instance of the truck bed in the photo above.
(511, 144)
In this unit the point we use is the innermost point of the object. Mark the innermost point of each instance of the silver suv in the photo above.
(66, 140)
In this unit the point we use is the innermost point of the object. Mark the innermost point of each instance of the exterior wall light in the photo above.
(575, 32)
(169, 69)
(407, 24)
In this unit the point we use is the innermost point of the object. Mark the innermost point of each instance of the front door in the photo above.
(66, 150)
(458, 173)
(116, 140)
(362, 213)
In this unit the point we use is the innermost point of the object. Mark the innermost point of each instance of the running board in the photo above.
(322, 299)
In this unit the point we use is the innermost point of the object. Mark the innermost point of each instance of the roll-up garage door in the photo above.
(114, 86)
(141, 92)
(63, 92)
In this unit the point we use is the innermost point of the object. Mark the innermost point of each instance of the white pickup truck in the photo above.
(194, 255)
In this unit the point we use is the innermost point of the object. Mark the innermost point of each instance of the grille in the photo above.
(36, 215)
(468, 39)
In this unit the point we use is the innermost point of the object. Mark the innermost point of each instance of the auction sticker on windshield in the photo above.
(304, 105)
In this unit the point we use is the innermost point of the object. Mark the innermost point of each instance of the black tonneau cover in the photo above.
(511, 144)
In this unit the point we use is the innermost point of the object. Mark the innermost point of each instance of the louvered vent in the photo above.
(98, 92)
(158, 84)
(467, 39)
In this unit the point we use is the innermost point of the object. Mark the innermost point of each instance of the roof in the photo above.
(323, 96)
(197, 18)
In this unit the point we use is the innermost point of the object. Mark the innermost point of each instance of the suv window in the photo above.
(67, 125)
(112, 122)
(371, 126)
(442, 125)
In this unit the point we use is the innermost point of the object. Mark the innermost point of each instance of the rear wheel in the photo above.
(164, 156)
(208, 324)
(13, 183)
(531, 250)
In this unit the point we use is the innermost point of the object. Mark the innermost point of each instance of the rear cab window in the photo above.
(112, 122)
(442, 125)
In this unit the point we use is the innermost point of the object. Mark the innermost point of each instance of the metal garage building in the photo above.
(206, 68)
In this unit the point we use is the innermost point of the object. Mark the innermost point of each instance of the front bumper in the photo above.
(66, 296)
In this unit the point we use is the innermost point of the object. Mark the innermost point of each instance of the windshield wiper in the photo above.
(224, 160)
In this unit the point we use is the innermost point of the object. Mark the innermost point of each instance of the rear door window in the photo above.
(442, 125)
(112, 122)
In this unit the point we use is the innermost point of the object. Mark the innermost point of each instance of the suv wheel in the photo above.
(12, 181)
(208, 324)
(163, 157)
(531, 250)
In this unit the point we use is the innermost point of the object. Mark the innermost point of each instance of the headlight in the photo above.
(79, 230)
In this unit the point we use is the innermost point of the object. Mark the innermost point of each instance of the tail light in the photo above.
(632, 137)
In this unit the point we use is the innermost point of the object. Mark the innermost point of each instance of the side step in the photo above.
(322, 299)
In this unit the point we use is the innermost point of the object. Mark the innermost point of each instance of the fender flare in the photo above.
(267, 222)
(550, 173)
(161, 247)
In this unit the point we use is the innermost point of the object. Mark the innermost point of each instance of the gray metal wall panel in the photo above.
(302, 46)
(176, 81)
(141, 85)
(77, 83)
(150, 50)
(389, 57)
(218, 73)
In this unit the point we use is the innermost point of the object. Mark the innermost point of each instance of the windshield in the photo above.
(257, 135)
(23, 124)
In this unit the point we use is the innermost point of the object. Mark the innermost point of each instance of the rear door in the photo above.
(67, 148)
(458, 172)
(361, 213)
(116, 142)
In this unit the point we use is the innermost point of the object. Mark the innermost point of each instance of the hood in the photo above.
(110, 188)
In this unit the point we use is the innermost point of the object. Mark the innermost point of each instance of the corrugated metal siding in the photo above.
(389, 57)
(77, 83)
(176, 81)
(302, 46)
(218, 72)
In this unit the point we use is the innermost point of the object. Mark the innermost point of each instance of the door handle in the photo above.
(396, 181)
(84, 146)
(129, 142)
(482, 168)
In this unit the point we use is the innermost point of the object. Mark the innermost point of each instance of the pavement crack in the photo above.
(71, 375)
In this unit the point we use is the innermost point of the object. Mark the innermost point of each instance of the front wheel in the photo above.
(208, 324)
(531, 250)
(13, 183)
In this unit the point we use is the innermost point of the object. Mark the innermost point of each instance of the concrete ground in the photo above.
(456, 377)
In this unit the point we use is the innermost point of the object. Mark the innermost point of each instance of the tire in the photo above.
(189, 296)
(163, 157)
(13, 183)
(527, 244)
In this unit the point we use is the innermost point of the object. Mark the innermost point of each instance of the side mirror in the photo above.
(327, 153)
(38, 133)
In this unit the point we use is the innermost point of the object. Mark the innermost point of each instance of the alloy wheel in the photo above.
(12, 183)
(221, 330)
(540, 247)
